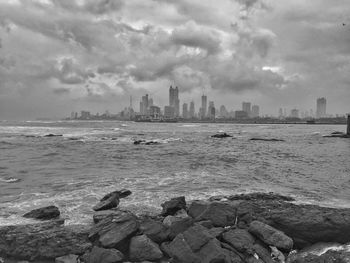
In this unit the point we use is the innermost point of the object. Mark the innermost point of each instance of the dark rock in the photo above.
(181, 251)
(305, 224)
(155, 230)
(143, 248)
(221, 135)
(206, 223)
(146, 142)
(44, 213)
(267, 139)
(173, 205)
(271, 236)
(177, 225)
(263, 253)
(114, 230)
(220, 214)
(108, 203)
(102, 255)
(53, 135)
(260, 197)
(100, 215)
(47, 240)
(67, 259)
(216, 231)
(212, 252)
(196, 237)
(121, 194)
(239, 239)
(341, 135)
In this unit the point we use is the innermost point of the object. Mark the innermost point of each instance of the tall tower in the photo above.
(192, 110)
(203, 112)
(171, 96)
(185, 111)
(246, 107)
(177, 102)
(321, 108)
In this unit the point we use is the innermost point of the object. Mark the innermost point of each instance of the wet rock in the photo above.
(267, 139)
(221, 135)
(44, 213)
(145, 142)
(271, 236)
(220, 214)
(114, 230)
(67, 259)
(173, 205)
(102, 255)
(121, 194)
(155, 230)
(108, 203)
(47, 240)
(239, 239)
(143, 248)
(100, 215)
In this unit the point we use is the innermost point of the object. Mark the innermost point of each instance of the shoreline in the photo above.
(219, 220)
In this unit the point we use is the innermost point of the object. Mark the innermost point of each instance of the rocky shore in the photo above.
(251, 228)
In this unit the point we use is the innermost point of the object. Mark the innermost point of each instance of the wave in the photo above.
(9, 180)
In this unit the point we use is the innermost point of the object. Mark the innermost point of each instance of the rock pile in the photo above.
(255, 228)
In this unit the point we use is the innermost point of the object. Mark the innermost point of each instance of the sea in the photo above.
(92, 158)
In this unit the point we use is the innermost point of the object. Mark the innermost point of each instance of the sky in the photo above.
(58, 56)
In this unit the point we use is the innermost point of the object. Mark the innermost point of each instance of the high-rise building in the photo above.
(203, 111)
(169, 112)
(255, 111)
(144, 105)
(294, 113)
(223, 112)
(185, 111)
(174, 100)
(321, 108)
(192, 110)
(211, 110)
(246, 107)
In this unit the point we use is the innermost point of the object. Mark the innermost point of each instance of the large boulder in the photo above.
(173, 205)
(177, 225)
(44, 213)
(239, 239)
(155, 230)
(142, 248)
(47, 240)
(114, 230)
(305, 224)
(102, 255)
(271, 236)
(219, 213)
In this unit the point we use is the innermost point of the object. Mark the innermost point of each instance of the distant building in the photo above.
(185, 114)
(280, 113)
(145, 105)
(203, 110)
(321, 105)
(85, 115)
(240, 114)
(246, 107)
(211, 110)
(192, 110)
(174, 100)
(294, 113)
(223, 112)
(169, 112)
(255, 111)
(154, 111)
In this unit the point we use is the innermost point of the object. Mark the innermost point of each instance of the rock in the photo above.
(121, 194)
(271, 236)
(143, 248)
(181, 251)
(114, 230)
(239, 239)
(206, 223)
(216, 231)
(112, 201)
(221, 135)
(100, 215)
(331, 256)
(67, 259)
(212, 252)
(260, 197)
(305, 224)
(263, 253)
(102, 255)
(267, 139)
(47, 240)
(150, 142)
(53, 135)
(177, 225)
(173, 205)
(220, 214)
(155, 230)
(44, 213)
(196, 237)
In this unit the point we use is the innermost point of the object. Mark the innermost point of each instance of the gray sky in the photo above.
(58, 56)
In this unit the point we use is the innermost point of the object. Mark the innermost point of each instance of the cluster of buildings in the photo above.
(207, 111)
(321, 111)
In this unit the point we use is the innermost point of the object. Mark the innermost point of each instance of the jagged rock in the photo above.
(221, 135)
(112, 231)
(143, 248)
(173, 205)
(212, 252)
(206, 223)
(220, 214)
(67, 259)
(181, 251)
(47, 240)
(216, 231)
(155, 230)
(177, 225)
(240, 239)
(263, 253)
(44, 213)
(108, 203)
(197, 236)
(121, 194)
(102, 255)
(271, 236)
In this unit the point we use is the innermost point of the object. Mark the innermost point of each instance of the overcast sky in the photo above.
(58, 56)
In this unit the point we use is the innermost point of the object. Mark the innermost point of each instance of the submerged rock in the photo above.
(44, 213)
(111, 200)
(267, 139)
(173, 205)
(53, 135)
(221, 135)
(47, 240)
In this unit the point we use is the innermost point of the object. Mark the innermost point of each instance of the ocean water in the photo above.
(75, 170)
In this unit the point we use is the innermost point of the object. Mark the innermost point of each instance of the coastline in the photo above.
(219, 224)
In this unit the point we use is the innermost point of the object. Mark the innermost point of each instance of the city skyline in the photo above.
(95, 54)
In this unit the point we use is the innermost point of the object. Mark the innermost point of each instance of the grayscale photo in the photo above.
(174, 131)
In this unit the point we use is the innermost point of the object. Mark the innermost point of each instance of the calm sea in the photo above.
(94, 158)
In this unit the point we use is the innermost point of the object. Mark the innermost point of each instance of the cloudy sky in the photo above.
(58, 56)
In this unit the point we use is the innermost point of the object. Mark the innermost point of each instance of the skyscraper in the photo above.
(321, 108)
(203, 112)
(145, 105)
(174, 100)
(246, 107)
(192, 110)
(185, 111)
(211, 110)
(223, 111)
(255, 111)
